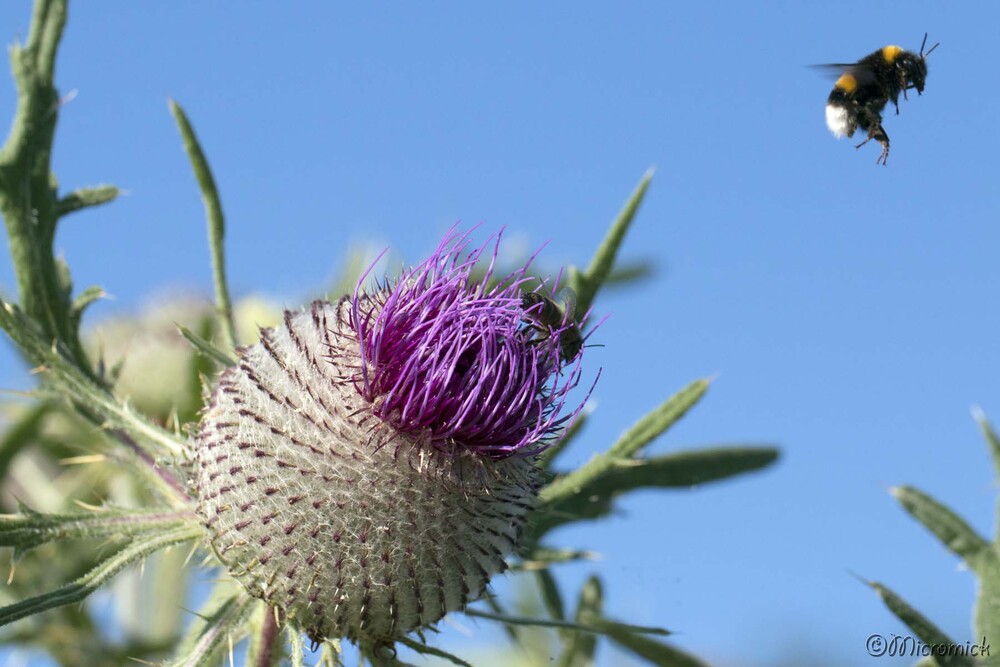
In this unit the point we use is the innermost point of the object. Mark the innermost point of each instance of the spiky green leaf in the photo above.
(86, 197)
(97, 577)
(265, 648)
(587, 284)
(20, 433)
(216, 221)
(30, 529)
(958, 536)
(424, 649)
(659, 420)
(205, 348)
(637, 437)
(220, 625)
(921, 626)
(991, 436)
(54, 361)
(551, 597)
(594, 498)
(541, 558)
(579, 647)
(652, 650)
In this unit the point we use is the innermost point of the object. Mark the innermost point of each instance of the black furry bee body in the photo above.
(545, 316)
(864, 88)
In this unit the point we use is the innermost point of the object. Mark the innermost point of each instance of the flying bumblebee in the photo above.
(865, 87)
(546, 317)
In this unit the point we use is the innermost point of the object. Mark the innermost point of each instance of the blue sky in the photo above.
(845, 307)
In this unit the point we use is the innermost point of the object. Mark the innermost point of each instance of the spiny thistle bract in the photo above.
(367, 466)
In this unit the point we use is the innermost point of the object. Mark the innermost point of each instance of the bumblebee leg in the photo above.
(872, 121)
(884, 157)
(879, 135)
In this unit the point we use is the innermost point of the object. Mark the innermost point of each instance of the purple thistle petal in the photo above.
(445, 354)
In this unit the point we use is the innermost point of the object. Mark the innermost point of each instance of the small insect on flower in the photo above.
(546, 317)
(864, 88)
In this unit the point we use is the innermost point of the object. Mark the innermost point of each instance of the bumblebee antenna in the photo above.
(923, 44)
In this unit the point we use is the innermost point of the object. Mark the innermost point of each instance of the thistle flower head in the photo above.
(449, 354)
(368, 465)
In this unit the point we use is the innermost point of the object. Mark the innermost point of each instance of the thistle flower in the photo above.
(367, 466)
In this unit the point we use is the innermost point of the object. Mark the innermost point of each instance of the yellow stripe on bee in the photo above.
(846, 83)
(891, 52)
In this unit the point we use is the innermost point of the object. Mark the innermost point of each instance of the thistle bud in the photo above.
(367, 467)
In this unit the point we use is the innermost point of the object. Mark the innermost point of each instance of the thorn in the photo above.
(80, 460)
(88, 506)
(194, 548)
(857, 576)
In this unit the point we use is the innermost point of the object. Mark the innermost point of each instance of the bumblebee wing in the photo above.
(864, 75)
(567, 300)
(832, 71)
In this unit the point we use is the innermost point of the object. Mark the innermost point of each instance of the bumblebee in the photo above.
(864, 88)
(546, 317)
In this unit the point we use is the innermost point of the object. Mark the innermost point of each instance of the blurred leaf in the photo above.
(928, 633)
(80, 303)
(958, 536)
(205, 348)
(551, 597)
(579, 647)
(637, 437)
(295, 646)
(654, 651)
(595, 497)
(562, 625)
(86, 392)
(682, 469)
(423, 649)
(587, 283)
(659, 420)
(626, 273)
(265, 648)
(329, 654)
(100, 575)
(991, 437)
(987, 608)
(20, 433)
(355, 262)
(200, 367)
(30, 529)
(216, 221)
(220, 624)
(86, 197)
(541, 558)
(494, 604)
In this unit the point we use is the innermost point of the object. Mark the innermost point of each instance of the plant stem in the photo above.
(216, 222)
(28, 196)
